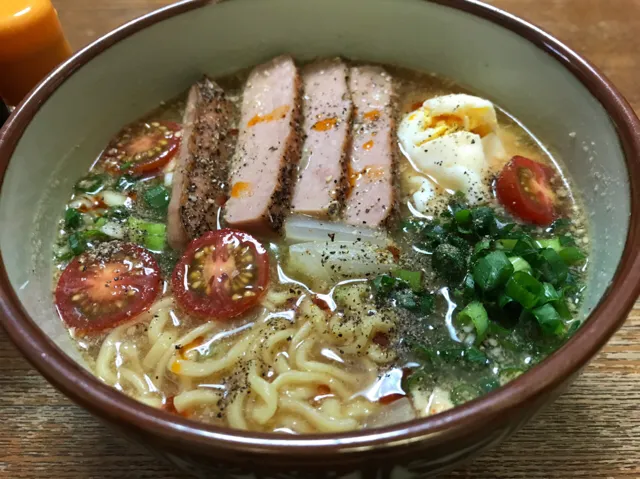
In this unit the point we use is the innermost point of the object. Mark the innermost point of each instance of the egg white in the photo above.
(451, 142)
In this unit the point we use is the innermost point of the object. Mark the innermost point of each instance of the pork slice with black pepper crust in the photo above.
(327, 110)
(200, 178)
(268, 149)
(371, 163)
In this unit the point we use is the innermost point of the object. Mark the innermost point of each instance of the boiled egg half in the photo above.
(453, 145)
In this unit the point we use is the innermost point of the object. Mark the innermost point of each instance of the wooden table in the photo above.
(593, 431)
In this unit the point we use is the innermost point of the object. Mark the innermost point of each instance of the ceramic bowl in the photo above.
(59, 129)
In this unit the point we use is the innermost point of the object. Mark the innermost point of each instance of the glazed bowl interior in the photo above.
(158, 62)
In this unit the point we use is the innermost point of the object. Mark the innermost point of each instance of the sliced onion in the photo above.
(168, 179)
(113, 230)
(325, 263)
(395, 413)
(300, 229)
(112, 198)
(81, 201)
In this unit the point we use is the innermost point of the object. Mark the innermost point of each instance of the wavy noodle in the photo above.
(268, 393)
(317, 418)
(236, 412)
(196, 398)
(268, 374)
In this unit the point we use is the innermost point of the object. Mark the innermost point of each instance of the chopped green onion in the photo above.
(571, 255)
(434, 234)
(496, 330)
(475, 356)
(100, 222)
(526, 248)
(152, 235)
(468, 290)
(77, 244)
(474, 313)
(405, 299)
(501, 230)
(157, 197)
(483, 218)
(492, 271)
(503, 300)
(562, 309)
(455, 353)
(462, 216)
(560, 224)
(549, 294)
(549, 320)
(65, 256)
(90, 184)
(156, 229)
(566, 240)
(72, 218)
(524, 289)
(79, 241)
(383, 285)
(425, 353)
(93, 235)
(413, 278)
(552, 268)
(481, 247)
(520, 264)
(553, 243)
(418, 378)
(425, 303)
(506, 243)
(126, 165)
(418, 303)
(155, 242)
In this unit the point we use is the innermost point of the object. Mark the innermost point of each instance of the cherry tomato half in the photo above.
(221, 275)
(523, 188)
(143, 147)
(105, 287)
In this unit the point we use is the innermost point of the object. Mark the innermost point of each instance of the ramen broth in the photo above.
(399, 321)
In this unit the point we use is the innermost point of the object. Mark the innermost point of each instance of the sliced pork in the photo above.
(200, 178)
(268, 149)
(371, 161)
(327, 110)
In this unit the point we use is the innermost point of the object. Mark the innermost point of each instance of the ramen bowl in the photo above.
(53, 135)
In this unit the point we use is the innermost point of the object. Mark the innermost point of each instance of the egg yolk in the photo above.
(471, 120)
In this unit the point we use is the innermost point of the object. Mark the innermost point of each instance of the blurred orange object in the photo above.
(31, 45)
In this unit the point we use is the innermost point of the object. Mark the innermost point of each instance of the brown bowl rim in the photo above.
(109, 404)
